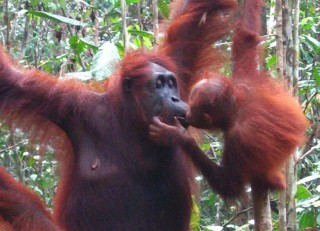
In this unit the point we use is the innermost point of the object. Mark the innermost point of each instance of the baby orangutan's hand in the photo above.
(167, 135)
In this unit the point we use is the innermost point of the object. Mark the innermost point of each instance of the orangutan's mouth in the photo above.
(183, 121)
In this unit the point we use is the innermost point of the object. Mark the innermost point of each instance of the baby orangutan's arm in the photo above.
(224, 181)
(168, 135)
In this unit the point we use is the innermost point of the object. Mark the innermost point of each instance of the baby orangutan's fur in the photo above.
(261, 122)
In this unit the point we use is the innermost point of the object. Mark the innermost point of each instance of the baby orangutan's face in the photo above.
(211, 103)
(196, 115)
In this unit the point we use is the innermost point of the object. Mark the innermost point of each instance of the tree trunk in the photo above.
(289, 59)
(7, 22)
(140, 15)
(155, 21)
(293, 24)
(280, 68)
(261, 209)
(290, 167)
(124, 25)
(260, 196)
(25, 38)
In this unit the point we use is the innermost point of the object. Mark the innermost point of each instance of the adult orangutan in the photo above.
(114, 177)
(261, 122)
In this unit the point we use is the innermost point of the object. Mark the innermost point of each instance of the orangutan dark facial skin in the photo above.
(159, 95)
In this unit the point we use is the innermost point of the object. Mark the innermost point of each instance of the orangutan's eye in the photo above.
(171, 83)
(160, 82)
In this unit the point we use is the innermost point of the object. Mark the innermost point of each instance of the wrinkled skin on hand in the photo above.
(168, 135)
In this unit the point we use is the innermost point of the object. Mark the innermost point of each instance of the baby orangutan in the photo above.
(262, 125)
(261, 121)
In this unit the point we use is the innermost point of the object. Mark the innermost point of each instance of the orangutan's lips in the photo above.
(183, 121)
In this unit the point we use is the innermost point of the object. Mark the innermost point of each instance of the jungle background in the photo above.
(85, 38)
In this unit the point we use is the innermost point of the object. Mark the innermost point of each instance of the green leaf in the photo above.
(34, 2)
(195, 215)
(141, 33)
(307, 23)
(205, 146)
(308, 178)
(52, 7)
(137, 42)
(120, 49)
(56, 17)
(117, 4)
(79, 44)
(147, 42)
(74, 44)
(316, 75)
(164, 9)
(307, 219)
(313, 43)
(62, 4)
(271, 62)
(104, 62)
(304, 21)
(132, 1)
(302, 193)
(45, 3)
(88, 44)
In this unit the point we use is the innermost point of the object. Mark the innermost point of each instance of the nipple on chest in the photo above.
(95, 164)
